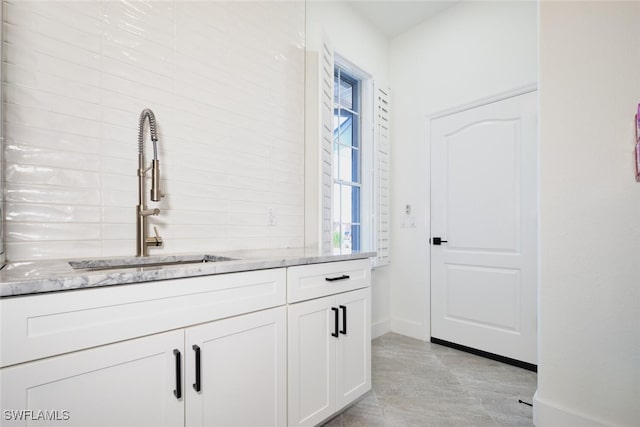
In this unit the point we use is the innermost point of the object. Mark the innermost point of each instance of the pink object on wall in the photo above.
(637, 150)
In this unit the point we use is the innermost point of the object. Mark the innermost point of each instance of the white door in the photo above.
(236, 371)
(132, 383)
(484, 209)
(313, 332)
(353, 348)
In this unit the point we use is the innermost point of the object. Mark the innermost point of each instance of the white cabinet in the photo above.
(45, 325)
(353, 348)
(104, 354)
(306, 282)
(124, 384)
(238, 379)
(312, 362)
(329, 355)
(206, 351)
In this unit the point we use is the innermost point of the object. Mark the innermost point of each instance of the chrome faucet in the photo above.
(143, 241)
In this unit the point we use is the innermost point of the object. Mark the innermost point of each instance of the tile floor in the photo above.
(417, 383)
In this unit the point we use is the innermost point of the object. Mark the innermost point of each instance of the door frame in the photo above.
(500, 96)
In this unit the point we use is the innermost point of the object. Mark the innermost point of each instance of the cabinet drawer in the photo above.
(39, 326)
(317, 280)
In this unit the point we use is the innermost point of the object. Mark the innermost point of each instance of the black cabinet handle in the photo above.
(333, 279)
(196, 385)
(344, 320)
(437, 241)
(178, 391)
(335, 319)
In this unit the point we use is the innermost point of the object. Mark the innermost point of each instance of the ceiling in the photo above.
(393, 17)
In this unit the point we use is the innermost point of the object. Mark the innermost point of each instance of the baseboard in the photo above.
(482, 353)
(408, 328)
(547, 414)
(380, 328)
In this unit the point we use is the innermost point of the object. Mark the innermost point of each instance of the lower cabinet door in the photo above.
(236, 371)
(329, 355)
(131, 383)
(353, 349)
(312, 361)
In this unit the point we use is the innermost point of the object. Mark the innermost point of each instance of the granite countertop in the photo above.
(34, 277)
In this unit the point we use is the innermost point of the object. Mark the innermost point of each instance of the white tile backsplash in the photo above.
(52, 249)
(48, 213)
(225, 80)
(28, 193)
(26, 135)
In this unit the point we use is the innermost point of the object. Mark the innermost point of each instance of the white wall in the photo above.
(360, 43)
(351, 35)
(467, 52)
(589, 347)
(226, 82)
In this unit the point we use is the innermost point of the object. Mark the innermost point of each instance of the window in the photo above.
(347, 164)
(353, 172)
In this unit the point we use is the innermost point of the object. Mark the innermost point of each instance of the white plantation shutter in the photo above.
(326, 142)
(381, 189)
(382, 177)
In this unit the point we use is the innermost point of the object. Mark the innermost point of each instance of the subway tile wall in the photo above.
(225, 80)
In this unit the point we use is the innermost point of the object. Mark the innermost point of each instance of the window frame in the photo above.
(365, 149)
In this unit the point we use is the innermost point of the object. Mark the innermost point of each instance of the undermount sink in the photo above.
(130, 262)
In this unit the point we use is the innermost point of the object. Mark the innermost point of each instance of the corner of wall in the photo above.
(380, 328)
(548, 414)
(311, 155)
(409, 328)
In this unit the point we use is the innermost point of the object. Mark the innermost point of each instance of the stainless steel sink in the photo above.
(132, 262)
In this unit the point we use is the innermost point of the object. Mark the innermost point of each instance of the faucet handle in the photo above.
(154, 241)
(147, 212)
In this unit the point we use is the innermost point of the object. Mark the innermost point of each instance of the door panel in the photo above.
(470, 290)
(242, 368)
(484, 207)
(137, 377)
(483, 178)
(312, 365)
(353, 348)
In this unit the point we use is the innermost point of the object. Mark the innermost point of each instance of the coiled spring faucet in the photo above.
(143, 241)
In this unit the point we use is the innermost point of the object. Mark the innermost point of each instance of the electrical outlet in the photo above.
(271, 217)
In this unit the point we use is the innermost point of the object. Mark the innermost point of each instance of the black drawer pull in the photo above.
(196, 385)
(178, 391)
(335, 320)
(333, 279)
(344, 320)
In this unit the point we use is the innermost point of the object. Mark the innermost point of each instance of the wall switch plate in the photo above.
(408, 221)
